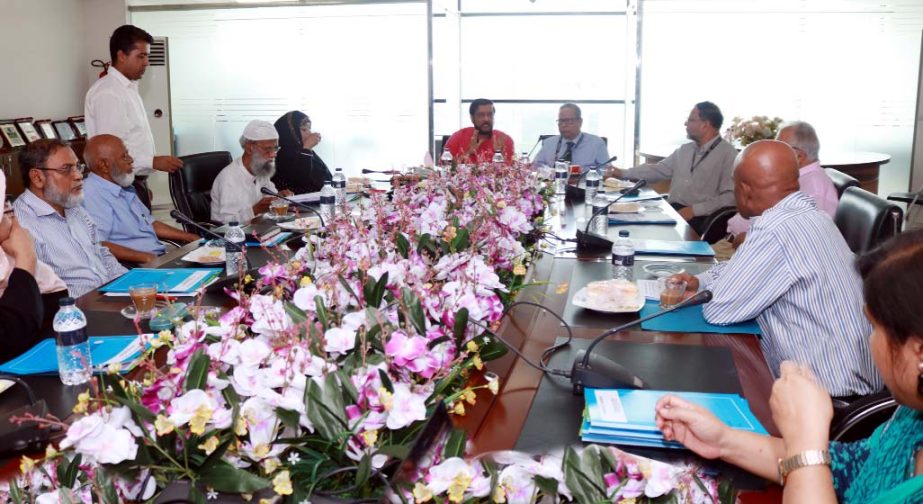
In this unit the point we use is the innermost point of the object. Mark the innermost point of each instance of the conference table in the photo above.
(495, 422)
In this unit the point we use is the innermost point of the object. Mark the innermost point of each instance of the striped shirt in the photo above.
(69, 244)
(795, 275)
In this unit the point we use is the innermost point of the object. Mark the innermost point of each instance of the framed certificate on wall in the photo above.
(46, 129)
(79, 126)
(64, 130)
(11, 135)
(28, 129)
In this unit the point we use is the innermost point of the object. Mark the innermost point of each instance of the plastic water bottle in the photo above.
(234, 249)
(592, 185)
(524, 159)
(623, 257)
(560, 177)
(600, 224)
(73, 348)
(498, 157)
(327, 203)
(339, 187)
(446, 160)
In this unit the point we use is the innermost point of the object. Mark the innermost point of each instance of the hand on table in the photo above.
(692, 425)
(692, 283)
(738, 240)
(614, 172)
(262, 206)
(167, 164)
(801, 409)
(686, 213)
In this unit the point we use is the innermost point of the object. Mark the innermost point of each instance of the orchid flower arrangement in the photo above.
(316, 385)
(746, 131)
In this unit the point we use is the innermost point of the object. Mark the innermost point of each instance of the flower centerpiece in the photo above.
(743, 132)
(319, 381)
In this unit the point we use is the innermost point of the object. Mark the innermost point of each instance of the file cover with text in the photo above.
(104, 350)
(167, 280)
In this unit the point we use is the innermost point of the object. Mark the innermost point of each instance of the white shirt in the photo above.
(235, 191)
(113, 106)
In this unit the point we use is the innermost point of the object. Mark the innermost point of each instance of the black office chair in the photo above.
(440, 144)
(191, 185)
(860, 418)
(865, 220)
(717, 223)
(841, 181)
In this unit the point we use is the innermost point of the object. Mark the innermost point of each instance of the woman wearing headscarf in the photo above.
(23, 279)
(298, 168)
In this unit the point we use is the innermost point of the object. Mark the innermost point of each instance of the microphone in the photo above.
(575, 191)
(597, 371)
(176, 214)
(270, 192)
(592, 241)
(534, 146)
(386, 172)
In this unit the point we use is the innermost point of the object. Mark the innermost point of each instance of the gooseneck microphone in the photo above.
(597, 371)
(176, 214)
(270, 192)
(592, 241)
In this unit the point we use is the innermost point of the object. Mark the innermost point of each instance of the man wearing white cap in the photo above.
(236, 193)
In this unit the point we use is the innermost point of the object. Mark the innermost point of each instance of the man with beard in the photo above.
(113, 106)
(701, 171)
(236, 192)
(123, 223)
(65, 236)
(477, 144)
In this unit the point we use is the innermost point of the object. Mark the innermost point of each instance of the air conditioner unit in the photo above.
(154, 88)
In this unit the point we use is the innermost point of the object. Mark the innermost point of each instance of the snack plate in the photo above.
(206, 255)
(583, 299)
(300, 224)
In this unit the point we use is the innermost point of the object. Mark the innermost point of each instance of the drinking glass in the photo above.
(143, 296)
(672, 293)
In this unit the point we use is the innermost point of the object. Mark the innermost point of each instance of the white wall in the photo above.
(48, 45)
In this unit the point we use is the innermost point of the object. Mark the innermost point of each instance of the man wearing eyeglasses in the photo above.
(572, 144)
(478, 144)
(124, 224)
(236, 192)
(65, 235)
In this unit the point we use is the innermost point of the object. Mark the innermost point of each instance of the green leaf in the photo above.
(403, 246)
(548, 486)
(348, 386)
(363, 471)
(455, 445)
(493, 350)
(349, 289)
(197, 374)
(321, 311)
(380, 288)
(297, 315)
(224, 477)
(289, 418)
(385, 380)
(581, 478)
(15, 492)
(139, 410)
(462, 240)
(325, 408)
(399, 452)
(461, 322)
(415, 311)
(104, 483)
(216, 455)
(436, 342)
(195, 495)
(70, 474)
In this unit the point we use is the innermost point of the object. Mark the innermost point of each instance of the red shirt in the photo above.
(460, 143)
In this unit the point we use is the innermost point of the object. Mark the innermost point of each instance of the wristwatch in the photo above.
(804, 459)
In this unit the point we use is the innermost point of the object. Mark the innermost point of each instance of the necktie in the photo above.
(568, 152)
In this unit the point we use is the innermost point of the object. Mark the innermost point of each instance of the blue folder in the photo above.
(691, 320)
(642, 218)
(166, 279)
(43, 357)
(674, 247)
(272, 242)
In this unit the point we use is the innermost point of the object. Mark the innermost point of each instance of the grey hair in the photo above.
(244, 141)
(574, 107)
(805, 138)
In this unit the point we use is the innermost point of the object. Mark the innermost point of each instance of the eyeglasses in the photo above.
(69, 169)
(568, 120)
(268, 150)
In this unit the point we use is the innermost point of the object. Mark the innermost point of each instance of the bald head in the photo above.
(107, 157)
(764, 174)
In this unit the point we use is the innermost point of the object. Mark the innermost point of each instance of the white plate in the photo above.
(615, 183)
(663, 270)
(272, 216)
(206, 255)
(5, 384)
(626, 207)
(300, 224)
(608, 304)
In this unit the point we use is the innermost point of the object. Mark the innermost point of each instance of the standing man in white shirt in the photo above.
(236, 192)
(113, 106)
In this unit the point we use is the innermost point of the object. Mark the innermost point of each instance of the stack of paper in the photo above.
(626, 417)
(173, 281)
(104, 350)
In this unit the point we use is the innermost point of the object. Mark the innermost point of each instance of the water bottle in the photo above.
(592, 185)
(446, 160)
(524, 159)
(600, 224)
(623, 257)
(73, 348)
(327, 203)
(560, 176)
(339, 187)
(234, 253)
(498, 157)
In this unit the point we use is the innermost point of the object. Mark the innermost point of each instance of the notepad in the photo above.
(691, 320)
(174, 281)
(622, 416)
(674, 247)
(104, 350)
